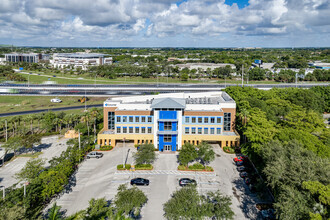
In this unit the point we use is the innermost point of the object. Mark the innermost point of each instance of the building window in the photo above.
(186, 119)
(206, 131)
(218, 130)
(124, 130)
(193, 130)
(206, 120)
(167, 138)
(149, 119)
(168, 126)
(186, 130)
(193, 120)
(199, 130)
(218, 120)
(124, 118)
(111, 120)
(200, 120)
(143, 119)
(226, 121)
(149, 130)
(130, 118)
(137, 119)
(131, 130)
(212, 131)
(118, 119)
(143, 130)
(212, 120)
(118, 130)
(137, 130)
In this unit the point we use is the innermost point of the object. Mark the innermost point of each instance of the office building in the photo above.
(79, 60)
(26, 57)
(170, 120)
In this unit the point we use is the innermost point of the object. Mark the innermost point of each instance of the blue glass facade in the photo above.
(168, 123)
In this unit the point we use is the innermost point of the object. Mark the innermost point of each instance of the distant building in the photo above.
(268, 66)
(170, 120)
(204, 66)
(319, 65)
(26, 57)
(82, 60)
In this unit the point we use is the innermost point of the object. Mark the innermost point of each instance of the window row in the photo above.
(189, 130)
(134, 119)
(132, 130)
(204, 120)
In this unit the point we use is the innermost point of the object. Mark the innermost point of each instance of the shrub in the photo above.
(196, 166)
(229, 150)
(143, 167)
(106, 148)
(120, 167)
(208, 168)
(182, 167)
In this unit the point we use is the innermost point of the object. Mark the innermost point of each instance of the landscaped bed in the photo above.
(195, 167)
(106, 148)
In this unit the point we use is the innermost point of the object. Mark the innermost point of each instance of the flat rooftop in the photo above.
(80, 55)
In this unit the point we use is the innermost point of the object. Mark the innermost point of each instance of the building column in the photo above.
(113, 142)
(222, 144)
(135, 141)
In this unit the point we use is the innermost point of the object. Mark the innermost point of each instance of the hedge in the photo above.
(143, 167)
(195, 167)
(229, 150)
(120, 167)
(106, 148)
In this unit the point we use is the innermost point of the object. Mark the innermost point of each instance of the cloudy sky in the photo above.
(166, 23)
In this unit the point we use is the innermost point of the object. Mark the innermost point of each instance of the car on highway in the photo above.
(94, 154)
(140, 182)
(187, 181)
(56, 100)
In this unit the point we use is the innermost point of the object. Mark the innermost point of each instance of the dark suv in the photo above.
(140, 182)
(187, 181)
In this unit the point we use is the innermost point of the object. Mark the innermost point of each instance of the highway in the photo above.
(50, 109)
(130, 89)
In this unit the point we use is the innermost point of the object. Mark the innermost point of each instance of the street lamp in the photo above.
(124, 154)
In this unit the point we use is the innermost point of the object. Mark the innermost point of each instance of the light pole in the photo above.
(242, 75)
(124, 154)
(95, 81)
(6, 130)
(85, 100)
(3, 192)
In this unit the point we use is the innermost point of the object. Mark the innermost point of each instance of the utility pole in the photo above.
(85, 100)
(4, 192)
(6, 130)
(242, 75)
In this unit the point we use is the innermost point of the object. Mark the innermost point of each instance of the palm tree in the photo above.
(94, 114)
(86, 118)
(54, 212)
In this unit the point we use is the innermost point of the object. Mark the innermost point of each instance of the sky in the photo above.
(165, 23)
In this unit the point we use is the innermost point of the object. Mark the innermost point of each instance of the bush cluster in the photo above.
(143, 167)
(229, 150)
(120, 167)
(106, 148)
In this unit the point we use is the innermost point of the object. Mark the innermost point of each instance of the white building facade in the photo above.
(79, 60)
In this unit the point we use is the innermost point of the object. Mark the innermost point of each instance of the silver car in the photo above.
(94, 154)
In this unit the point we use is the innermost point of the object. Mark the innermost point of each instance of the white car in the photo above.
(56, 100)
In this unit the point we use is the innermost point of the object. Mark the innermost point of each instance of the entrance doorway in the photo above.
(167, 147)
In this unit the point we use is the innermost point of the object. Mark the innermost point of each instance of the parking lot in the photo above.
(50, 147)
(97, 178)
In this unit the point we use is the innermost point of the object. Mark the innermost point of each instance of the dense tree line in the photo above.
(283, 132)
(7, 73)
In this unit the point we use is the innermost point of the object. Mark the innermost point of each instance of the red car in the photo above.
(240, 158)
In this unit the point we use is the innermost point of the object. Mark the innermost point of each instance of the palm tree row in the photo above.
(49, 122)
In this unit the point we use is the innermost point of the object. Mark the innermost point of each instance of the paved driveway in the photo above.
(50, 147)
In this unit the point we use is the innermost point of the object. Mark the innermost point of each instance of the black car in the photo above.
(140, 182)
(243, 174)
(239, 163)
(186, 181)
(241, 168)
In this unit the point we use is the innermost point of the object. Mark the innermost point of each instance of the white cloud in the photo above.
(123, 20)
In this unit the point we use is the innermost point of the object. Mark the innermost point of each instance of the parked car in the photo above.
(94, 154)
(186, 181)
(264, 206)
(57, 100)
(140, 182)
(243, 174)
(268, 214)
(239, 163)
(240, 158)
(54, 75)
(247, 181)
(241, 168)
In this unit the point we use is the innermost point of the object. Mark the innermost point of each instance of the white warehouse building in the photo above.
(82, 60)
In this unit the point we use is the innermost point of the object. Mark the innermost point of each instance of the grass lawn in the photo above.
(26, 103)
